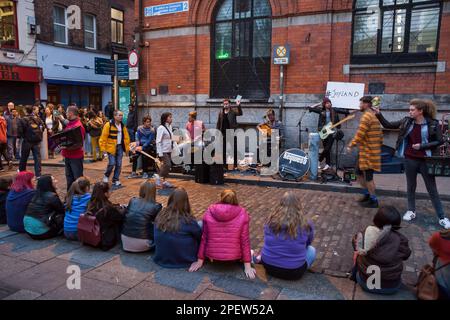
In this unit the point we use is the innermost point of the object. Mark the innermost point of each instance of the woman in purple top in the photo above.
(287, 251)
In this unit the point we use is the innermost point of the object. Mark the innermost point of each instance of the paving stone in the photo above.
(43, 277)
(252, 289)
(23, 295)
(345, 286)
(42, 254)
(403, 294)
(6, 233)
(10, 266)
(89, 256)
(149, 290)
(179, 279)
(21, 244)
(90, 290)
(218, 295)
(127, 270)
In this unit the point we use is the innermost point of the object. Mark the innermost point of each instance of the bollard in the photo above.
(314, 142)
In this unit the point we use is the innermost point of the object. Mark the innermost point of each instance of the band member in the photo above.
(327, 114)
(369, 139)
(266, 128)
(419, 136)
(195, 127)
(115, 141)
(227, 120)
(164, 147)
(145, 141)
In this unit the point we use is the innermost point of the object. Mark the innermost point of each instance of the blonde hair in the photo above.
(178, 209)
(428, 107)
(229, 196)
(288, 216)
(147, 191)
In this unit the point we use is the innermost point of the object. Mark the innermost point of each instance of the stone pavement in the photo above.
(37, 269)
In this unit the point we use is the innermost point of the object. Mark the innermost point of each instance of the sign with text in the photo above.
(345, 95)
(124, 101)
(18, 73)
(281, 54)
(169, 8)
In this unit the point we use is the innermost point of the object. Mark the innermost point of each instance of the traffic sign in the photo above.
(281, 54)
(104, 66)
(133, 59)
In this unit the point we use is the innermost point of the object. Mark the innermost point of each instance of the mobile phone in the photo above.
(238, 98)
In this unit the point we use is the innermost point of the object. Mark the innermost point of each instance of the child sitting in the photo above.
(76, 203)
(287, 252)
(226, 234)
(383, 246)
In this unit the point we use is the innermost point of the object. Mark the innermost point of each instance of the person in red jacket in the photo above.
(3, 144)
(73, 158)
(440, 244)
(226, 235)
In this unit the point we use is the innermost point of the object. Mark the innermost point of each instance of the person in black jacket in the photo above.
(110, 216)
(5, 185)
(137, 232)
(132, 122)
(327, 114)
(419, 137)
(44, 218)
(30, 129)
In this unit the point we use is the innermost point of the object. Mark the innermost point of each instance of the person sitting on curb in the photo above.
(76, 203)
(45, 214)
(440, 244)
(20, 195)
(5, 187)
(145, 141)
(226, 235)
(138, 229)
(287, 252)
(177, 233)
(383, 246)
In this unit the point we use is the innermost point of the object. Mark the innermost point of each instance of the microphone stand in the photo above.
(299, 125)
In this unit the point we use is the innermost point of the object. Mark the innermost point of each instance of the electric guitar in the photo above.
(328, 129)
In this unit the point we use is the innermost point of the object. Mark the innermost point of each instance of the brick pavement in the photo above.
(337, 218)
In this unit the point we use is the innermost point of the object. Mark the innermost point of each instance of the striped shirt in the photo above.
(369, 137)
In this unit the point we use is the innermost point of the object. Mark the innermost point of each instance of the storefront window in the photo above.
(117, 26)
(8, 25)
(395, 30)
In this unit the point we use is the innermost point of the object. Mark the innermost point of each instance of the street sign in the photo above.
(281, 54)
(133, 73)
(133, 59)
(104, 66)
(169, 8)
(122, 69)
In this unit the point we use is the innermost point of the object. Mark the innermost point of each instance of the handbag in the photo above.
(55, 221)
(89, 230)
(427, 287)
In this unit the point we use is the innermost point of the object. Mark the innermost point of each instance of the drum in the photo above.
(294, 164)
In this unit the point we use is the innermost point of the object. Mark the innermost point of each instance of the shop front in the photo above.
(19, 84)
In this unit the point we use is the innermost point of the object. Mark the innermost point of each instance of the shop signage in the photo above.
(17, 73)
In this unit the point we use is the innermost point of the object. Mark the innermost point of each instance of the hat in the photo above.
(325, 100)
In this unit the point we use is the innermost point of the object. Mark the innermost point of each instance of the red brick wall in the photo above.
(443, 79)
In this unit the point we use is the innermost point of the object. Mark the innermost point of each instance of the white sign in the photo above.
(74, 17)
(345, 95)
(169, 8)
(133, 73)
(133, 59)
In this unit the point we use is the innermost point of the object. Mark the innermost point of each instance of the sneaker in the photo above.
(364, 198)
(445, 223)
(133, 175)
(117, 184)
(370, 204)
(326, 167)
(105, 179)
(145, 176)
(409, 215)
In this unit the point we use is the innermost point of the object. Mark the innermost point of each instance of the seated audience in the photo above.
(225, 234)
(45, 214)
(5, 186)
(137, 232)
(384, 246)
(177, 233)
(20, 195)
(77, 200)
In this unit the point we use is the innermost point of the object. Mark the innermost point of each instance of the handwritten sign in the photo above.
(345, 95)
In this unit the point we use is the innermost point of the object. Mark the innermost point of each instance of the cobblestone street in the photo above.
(337, 217)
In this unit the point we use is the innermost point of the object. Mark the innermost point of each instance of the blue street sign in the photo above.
(169, 8)
(122, 69)
(104, 66)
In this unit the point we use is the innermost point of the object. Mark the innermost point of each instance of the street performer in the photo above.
(266, 128)
(369, 139)
(327, 114)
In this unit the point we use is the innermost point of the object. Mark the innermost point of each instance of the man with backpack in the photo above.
(30, 129)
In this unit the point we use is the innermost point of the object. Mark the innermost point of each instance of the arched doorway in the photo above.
(241, 49)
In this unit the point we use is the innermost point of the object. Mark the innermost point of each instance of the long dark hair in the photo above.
(99, 199)
(178, 209)
(45, 184)
(164, 117)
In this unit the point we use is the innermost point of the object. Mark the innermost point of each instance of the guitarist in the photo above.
(327, 114)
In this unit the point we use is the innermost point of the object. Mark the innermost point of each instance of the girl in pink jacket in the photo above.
(226, 235)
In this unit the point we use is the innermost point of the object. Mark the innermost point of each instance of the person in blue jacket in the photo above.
(145, 141)
(22, 191)
(76, 203)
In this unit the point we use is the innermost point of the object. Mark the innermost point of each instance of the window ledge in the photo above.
(14, 50)
(423, 67)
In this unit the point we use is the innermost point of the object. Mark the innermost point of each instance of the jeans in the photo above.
(412, 167)
(13, 151)
(363, 285)
(25, 153)
(71, 235)
(74, 170)
(115, 162)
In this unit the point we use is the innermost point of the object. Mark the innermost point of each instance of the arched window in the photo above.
(241, 49)
(390, 31)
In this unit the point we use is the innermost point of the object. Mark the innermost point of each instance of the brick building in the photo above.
(221, 48)
(72, 34)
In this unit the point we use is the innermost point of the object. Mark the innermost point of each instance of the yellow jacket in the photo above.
(108, 139)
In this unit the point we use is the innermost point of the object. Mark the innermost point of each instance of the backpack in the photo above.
(33, 130)
(427, 287)
(89, 230)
